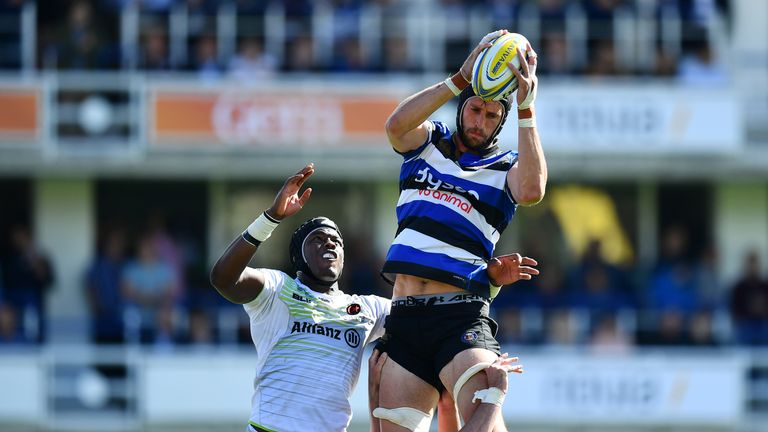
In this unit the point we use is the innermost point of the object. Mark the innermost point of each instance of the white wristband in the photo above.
(261, 228)
(455, 90)
(527, 122)
(492, 395)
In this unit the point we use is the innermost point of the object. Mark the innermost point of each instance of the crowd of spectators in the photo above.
(144, 291)
(91, 35)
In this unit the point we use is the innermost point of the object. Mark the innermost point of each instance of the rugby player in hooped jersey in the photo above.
(458, 192)
(309, 336)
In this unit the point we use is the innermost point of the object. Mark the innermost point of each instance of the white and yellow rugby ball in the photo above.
(491, 77)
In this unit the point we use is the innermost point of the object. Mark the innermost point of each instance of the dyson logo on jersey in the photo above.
(436, 184)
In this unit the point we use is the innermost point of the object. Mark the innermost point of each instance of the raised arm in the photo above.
(406, 127)
(231, 275)
(527, 179)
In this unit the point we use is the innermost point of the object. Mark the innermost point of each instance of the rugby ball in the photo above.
(491, 77)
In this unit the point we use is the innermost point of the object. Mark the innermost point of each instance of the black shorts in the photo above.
(424, 333)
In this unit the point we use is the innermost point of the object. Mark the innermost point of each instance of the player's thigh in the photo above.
(456, 367)
(401, 388)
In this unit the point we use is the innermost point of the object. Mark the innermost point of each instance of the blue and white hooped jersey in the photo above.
(451, 213)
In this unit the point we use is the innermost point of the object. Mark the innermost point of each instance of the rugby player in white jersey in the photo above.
(309, 336)
(458, 192)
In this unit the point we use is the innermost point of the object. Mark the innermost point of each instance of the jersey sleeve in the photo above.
(381, 308)
(436, 131)
(268, 300)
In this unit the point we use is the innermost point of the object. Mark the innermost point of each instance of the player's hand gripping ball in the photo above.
(491, 77)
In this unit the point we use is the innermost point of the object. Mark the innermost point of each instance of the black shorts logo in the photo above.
(469, 336)
(352, 338)
(354, 309)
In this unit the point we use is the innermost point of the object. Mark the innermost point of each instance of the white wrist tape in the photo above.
(261, 228)
(492, 395)
(527, 123)
(529, 98)
(455, 90)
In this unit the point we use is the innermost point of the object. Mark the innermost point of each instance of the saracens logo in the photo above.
(354, 309)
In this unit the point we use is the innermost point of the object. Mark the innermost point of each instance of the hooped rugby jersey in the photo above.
(450, 213)
(309, 349)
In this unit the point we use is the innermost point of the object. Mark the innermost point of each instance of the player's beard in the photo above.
(473, 142)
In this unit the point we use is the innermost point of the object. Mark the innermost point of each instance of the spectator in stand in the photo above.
(608, 337)
(710, 290)
(346, 19)
(554, 54)
(102, 283)
(596, 285)
(10, 41)
(396, 55)
(10, 333)
(503, 13)
(699, 67)
(300, 57)
(153, 55)
(749, 304)
(669, 330)
(148, 287)
(349, 57)
(552, 15)
(28, 277)
(700, 331)
(602, 59)
(79, 43)
(560, 329)
(674, 288)
(252, 63)
(169, 252)
(205, 61)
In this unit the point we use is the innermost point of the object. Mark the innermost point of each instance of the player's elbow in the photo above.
(395, 127)
(531, 195)
(218, 279)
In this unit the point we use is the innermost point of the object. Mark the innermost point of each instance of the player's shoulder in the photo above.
(375, 303)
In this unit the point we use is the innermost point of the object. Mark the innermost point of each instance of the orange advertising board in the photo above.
(258, 118)
(19, 115)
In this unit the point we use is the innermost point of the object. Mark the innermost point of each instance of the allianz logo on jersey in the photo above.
(351, 336)
(436, 184)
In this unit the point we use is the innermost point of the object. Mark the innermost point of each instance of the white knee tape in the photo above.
(410, 418)
(469, 373)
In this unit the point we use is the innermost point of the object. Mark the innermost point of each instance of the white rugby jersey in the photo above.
(309, 349)
(450, 213)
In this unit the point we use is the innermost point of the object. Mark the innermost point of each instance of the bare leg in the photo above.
(400, 388)
(453, 370)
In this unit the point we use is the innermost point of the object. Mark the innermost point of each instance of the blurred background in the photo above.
(138, 137)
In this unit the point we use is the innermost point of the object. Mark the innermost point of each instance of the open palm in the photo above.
(508, 269)
(288, 201)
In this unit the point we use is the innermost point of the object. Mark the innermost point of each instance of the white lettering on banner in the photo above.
(623, 119)
(639, 390)
(239, 120)
(607, 392)
(629, 122)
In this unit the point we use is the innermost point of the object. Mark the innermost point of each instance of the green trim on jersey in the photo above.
(256, 425)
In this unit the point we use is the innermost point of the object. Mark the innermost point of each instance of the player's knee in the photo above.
(409, 418)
